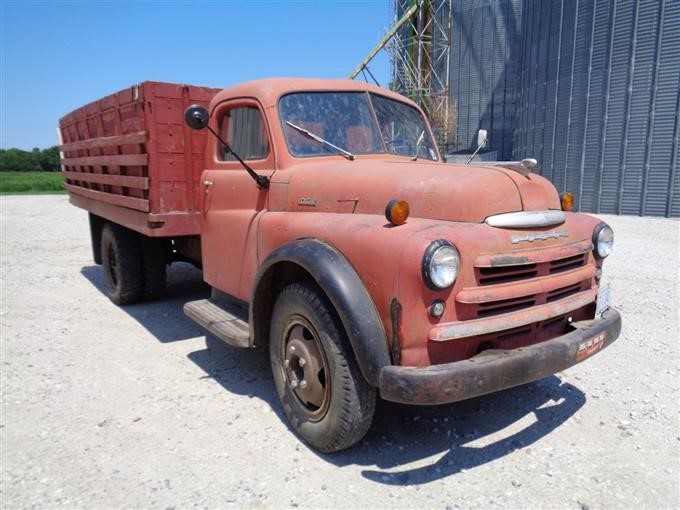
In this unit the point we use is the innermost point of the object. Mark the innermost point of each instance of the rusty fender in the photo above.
(494, 370)
(340, 282)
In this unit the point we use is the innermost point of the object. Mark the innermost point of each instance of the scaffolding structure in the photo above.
(419, 46)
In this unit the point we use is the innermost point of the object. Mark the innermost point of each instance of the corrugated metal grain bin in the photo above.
(590, 88)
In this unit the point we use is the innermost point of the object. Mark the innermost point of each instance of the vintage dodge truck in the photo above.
(330, 229)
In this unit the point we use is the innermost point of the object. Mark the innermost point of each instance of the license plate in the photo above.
(604, 296)
(590, 346)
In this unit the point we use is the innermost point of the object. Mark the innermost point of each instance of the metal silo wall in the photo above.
(598, 101)
(590, 88)
(485, 53)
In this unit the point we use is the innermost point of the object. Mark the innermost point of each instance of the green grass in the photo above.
(18, 183)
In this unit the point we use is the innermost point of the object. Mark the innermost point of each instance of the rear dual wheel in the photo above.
(135, 265)
(325, 397)
(154, 264)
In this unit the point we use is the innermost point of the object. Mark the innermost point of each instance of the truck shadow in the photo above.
(240, 371)
(164, 318)
(461, 436)
(403, 439)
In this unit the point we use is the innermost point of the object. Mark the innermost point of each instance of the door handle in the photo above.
(207, 185)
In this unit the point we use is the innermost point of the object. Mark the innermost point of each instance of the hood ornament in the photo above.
(527, 219)
(523, 167)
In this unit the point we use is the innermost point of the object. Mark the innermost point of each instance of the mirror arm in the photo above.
(479, 147)
(261, 180)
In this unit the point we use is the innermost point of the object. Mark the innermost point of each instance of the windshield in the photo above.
(403, 129)
(356, 122)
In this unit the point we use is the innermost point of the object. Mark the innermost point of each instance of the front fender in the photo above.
(340, 282)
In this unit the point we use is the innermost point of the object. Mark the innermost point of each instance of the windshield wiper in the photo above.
(326, 143)
(420, 140)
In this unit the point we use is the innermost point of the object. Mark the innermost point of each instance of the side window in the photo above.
(243, 129)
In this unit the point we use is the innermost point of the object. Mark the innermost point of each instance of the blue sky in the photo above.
(58, 55)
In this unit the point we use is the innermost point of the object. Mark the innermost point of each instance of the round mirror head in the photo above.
(196, 116)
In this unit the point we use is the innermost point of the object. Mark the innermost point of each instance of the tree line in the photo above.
(37, 160)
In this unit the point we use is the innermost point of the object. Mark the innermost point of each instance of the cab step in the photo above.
(221, 320)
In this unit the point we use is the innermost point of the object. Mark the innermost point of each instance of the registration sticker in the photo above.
(604, 296)
(590, 346)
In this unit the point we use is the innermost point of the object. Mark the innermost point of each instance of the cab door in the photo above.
(232, 202)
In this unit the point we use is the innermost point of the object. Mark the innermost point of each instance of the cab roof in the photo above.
(269, 90)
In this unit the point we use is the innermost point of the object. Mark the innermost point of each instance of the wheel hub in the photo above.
(305, 368)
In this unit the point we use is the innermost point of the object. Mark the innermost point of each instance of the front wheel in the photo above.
(325, 397)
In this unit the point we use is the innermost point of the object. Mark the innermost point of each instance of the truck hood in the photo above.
(436, 191)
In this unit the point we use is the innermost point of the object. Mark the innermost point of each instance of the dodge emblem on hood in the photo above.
(542, 236)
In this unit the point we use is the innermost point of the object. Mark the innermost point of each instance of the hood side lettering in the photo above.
(307, 201)
(542, 236)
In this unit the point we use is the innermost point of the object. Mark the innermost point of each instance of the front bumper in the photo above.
(494, 370)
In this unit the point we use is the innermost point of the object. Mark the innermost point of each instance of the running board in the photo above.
(220, 322)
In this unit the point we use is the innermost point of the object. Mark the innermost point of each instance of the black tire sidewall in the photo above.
(154, 262)
(352, 400)
(128, 284)
(112, 276)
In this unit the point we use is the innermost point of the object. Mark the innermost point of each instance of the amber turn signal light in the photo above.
(567, 201)
(397, 211)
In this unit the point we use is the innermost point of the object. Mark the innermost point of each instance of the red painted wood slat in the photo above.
(111, 180)
(106, 141)
(139, 204)
(114, 160)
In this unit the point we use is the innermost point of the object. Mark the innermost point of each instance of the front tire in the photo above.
(325, 397)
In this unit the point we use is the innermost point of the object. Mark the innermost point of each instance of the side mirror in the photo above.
(529, 163)
(482, 137)
(196, 116)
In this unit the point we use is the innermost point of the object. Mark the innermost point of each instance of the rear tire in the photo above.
(96, 225)
(323, 393)
(122, 262)
(154, 263)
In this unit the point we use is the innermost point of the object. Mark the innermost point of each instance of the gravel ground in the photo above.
(108, 407)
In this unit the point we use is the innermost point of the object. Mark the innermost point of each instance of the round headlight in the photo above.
(441, 263)
(603, 240)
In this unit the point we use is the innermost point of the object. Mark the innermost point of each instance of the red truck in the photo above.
(329, 228)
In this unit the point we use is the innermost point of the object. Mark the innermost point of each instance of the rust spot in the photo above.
(347, 205)
(395, 344)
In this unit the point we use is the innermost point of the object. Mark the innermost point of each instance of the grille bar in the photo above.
(563, 292)
(511, 320)
(495, 275)
(565, 264)
(523, 289)
(518, 272)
